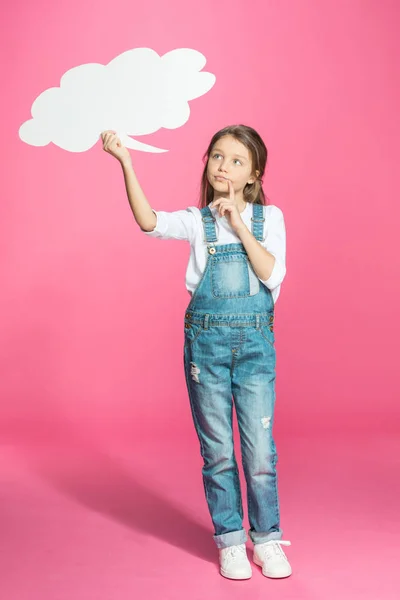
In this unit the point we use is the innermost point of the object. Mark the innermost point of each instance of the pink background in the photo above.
(92, 310)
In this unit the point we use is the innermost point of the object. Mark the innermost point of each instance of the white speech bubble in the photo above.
(137, 93)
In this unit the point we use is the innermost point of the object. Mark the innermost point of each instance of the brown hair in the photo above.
(249, 137)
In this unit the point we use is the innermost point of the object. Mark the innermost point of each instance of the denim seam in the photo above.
(236, 480)
(191, 342)
(197, 428)
(207, 267)
(266, 338)
(251, 314)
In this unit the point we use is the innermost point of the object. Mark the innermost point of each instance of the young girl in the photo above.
(236, 266)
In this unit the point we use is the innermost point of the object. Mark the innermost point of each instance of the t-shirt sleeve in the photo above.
(178, 225)
(275, 243)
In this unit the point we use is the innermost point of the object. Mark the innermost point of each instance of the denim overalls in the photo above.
(229, 351)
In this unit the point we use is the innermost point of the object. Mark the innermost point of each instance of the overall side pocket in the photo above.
(192, 332)
(267, 332)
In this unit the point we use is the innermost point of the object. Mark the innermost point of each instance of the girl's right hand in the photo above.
(112, 144)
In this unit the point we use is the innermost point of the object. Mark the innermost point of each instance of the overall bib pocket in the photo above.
(230, 277)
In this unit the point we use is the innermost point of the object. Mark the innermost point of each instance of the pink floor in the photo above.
(117, 520)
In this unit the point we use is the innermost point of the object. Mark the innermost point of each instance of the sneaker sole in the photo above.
(225, 574)
(260, 564)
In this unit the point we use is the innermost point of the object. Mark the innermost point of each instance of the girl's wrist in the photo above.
(240, 229)
(126, 162)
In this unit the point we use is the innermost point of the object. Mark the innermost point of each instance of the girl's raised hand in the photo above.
(229, 205)
(113, 145)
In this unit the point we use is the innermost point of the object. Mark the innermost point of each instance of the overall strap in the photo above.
(210, 234)
(257, 222)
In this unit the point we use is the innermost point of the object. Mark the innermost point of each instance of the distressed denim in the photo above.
(229, 353)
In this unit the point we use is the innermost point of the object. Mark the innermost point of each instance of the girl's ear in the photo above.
(253, 179)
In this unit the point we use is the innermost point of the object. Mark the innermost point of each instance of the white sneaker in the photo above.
(234, 563)
(272, 558)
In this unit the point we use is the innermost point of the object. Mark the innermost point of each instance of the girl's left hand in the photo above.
(229, 206)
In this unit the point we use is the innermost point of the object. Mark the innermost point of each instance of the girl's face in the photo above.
(229, 159)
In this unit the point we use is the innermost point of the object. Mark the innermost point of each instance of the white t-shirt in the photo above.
(187, 225)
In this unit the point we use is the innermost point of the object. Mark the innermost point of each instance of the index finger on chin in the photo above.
(231, 190)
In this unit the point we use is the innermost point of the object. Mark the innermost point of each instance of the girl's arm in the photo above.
(180, 224)
(268, 258)
(142, 211)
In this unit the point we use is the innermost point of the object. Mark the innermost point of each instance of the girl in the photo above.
(236, 266)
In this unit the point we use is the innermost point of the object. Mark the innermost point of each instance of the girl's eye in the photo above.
(216, 154)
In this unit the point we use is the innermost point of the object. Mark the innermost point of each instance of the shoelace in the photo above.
(268, 548)
(234, 551)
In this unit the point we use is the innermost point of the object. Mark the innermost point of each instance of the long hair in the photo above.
(249, 137)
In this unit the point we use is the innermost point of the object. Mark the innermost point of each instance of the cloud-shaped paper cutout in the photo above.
(137, 93)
